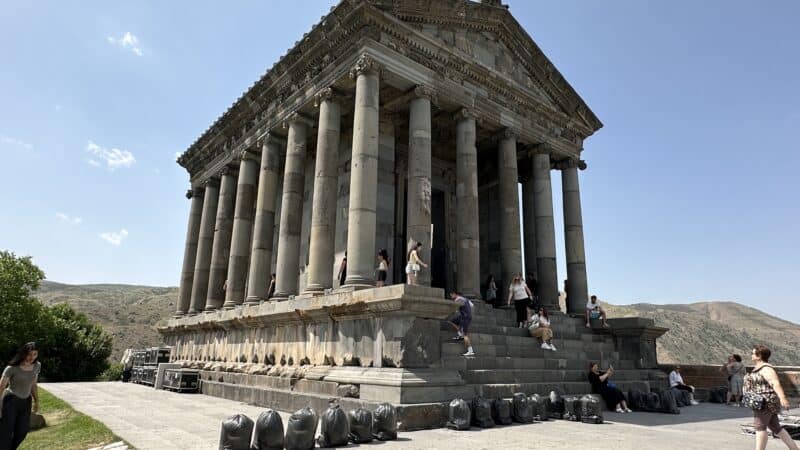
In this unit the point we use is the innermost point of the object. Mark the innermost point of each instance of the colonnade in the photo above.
(229, 238)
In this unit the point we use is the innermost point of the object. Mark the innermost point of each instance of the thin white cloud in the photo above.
(114, 238)
(114, 158)
(69, 219)
(128, 41)
(13, 142)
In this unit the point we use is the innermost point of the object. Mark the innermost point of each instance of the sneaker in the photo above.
(458, 338)
(620, 410)
(695, 403)
(588, 326)
(545, 346)
(469, 353)
(552, 347)
(628, 410)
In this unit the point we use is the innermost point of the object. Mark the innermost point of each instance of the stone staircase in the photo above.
(508, 360)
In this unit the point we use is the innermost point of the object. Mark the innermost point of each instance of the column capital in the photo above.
(296, 117)
(330, 94)
(270, 138)
(465, 113)
(507, 133)
(423, 91)
(248, 153)
(227, 170)
(540, 149)
(570, 163)
(364, 64)
(210, 182)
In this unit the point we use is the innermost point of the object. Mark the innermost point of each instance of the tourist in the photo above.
(491, 290)
(614, 398)
(383, 267)
(594, 311)
(735, 371)
(566, 291)
(533, 287)
(461, 320)
(20, 378)
(343, 270)
(676, 382)
(271, 288)
(521, 295)
(540, 328)
(763, 383)
(414, 263)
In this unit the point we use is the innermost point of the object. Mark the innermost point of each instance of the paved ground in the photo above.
(162, 420)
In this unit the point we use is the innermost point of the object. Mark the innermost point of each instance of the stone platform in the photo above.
(390, 344)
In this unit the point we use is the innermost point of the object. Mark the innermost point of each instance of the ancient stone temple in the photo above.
(390, 122)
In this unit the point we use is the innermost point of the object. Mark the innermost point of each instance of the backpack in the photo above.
(482, 412)
(501, 411)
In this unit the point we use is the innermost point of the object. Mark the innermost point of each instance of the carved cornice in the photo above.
(364, 64)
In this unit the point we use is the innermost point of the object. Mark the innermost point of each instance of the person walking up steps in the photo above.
(764, 395)
(461, 320)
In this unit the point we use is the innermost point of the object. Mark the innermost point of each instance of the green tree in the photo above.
(71, 347)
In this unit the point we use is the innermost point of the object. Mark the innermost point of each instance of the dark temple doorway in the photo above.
(438, 241)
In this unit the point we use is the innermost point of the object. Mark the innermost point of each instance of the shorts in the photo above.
(764, 419)
(462, 322)
(381, 275)
(412, 268)
(594, 314)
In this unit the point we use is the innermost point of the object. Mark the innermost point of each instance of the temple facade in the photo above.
(390, 122)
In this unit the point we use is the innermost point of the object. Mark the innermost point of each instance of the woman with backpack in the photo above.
(764, 395)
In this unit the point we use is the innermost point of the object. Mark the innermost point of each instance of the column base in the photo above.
(178, 315)
(316, 289)
(254, 300)
(210, 309)
(358, 282)
(229, 305)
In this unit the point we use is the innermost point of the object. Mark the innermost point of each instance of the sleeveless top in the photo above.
(413, 258)
(756, 383)
(518, 291)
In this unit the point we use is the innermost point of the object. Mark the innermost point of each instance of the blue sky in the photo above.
(690, 195)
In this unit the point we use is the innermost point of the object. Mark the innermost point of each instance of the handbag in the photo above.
(754, 401)
(758, 401)
(415, 267)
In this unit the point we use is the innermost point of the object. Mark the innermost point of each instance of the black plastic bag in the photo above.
(571, 407)
(301, 429)
(334, 428)
(680, 399)
(384, 422)
(540, 407)
(521, 410)
(482, 412)
(556, 405)
(636, 400)
(591, 409)
(668, 403)
(458, 416)
(235, 433)
(685, 398)
(718, 395)
(501, 411)
(652, 402)
(360, 426)
(268, 434)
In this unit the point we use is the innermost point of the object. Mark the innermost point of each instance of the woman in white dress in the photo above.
(414, 263)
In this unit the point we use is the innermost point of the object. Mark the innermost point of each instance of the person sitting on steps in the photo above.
(614, 398)
(540, 329)
(676, 382)
(595, 311)
(461, 320)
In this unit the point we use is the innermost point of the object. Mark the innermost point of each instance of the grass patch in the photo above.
(66, 428)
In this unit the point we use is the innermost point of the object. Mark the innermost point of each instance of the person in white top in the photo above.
(540, 328)
(414, 263)
(383, 268)
(676, 382)
(519, 292)
(595, 311)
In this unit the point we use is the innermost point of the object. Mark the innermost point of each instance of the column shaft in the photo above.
(418, 221)
(510, 245)
(287, 269)
(205, 243)
(362, 217)
(323, 215)
(573, 239)
(261, 254)
(529, 222)
(190, 251)
(468, 251)
(222, 241)
(242, 230)
(545, 232)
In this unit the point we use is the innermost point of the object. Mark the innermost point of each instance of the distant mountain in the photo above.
(700, 333)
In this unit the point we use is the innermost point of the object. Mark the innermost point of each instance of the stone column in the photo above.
(418, 221)
(222, 240)
(362, 217)
(288, 266)
(573, 237)
(190, 251)
(242, 229)
(545, 229)
(508, 177)
(323, 211)
(528, 218)
(261, 254)
(205, 242)
(468, 251)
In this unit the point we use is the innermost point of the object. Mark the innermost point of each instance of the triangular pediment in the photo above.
(487, 34)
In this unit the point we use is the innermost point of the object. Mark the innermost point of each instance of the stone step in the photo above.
(559, 333)
(455, 348)
(553, 361)
(564, 388)
(526, 341)
(510, 376)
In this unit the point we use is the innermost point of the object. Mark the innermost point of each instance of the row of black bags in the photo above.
(337, 428)
(485, 413)
(667, 401)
